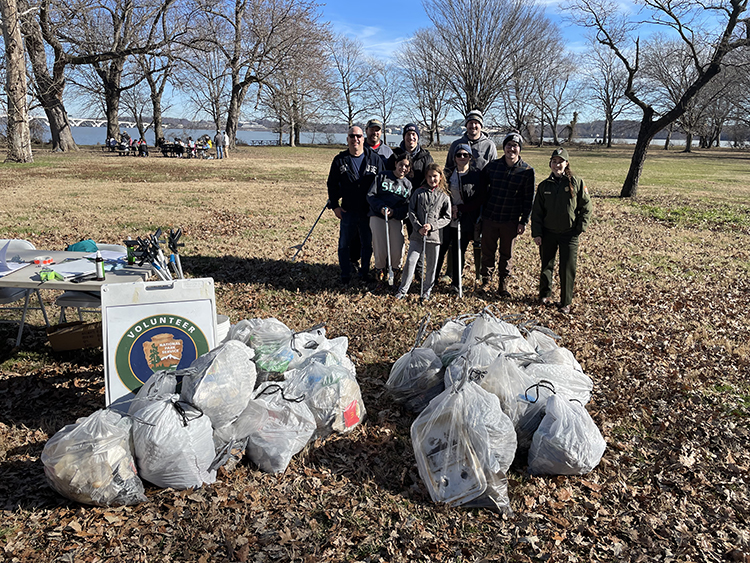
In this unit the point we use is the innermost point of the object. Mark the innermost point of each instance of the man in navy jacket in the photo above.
(352, 173)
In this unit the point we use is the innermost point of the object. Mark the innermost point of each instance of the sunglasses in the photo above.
(462, 155)
(354, 136)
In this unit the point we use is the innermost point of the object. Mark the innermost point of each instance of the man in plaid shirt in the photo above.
(507, 193)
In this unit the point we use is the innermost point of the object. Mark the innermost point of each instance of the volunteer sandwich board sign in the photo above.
(150, 327)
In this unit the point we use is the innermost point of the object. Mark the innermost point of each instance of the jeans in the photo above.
(352, 223)
(219, 152)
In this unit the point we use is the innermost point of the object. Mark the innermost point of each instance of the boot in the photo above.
(503, 288)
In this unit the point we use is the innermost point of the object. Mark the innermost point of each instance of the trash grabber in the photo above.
(388, 244)
(424, 263)
(299, 247)
(174, 244)
(458, 260)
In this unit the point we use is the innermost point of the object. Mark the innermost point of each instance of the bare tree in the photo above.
(158, 71)
(384, 91)
(607, 80)
(300, 92)
(727, 31)
(352, 75)
(426, 87)
(473, 39)
(19, 136)
(255, 38)
(206, 80)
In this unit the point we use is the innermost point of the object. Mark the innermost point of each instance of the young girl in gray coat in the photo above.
(429, 211)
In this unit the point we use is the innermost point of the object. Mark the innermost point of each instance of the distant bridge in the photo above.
(84, 121)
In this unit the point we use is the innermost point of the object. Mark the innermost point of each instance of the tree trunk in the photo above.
(668, 139)
(297, 133)
(688, 142)
(239, 91)
(19, 136)
(158, 129)
(112, 103)
(49, 87)
(645, 135)
(292, 127)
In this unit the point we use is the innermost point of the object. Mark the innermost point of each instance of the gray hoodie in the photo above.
(431, 206)
(483, 150)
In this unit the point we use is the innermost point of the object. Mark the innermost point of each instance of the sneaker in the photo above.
(565, 309)
(425, 297)
(400, 296)
(445, 280)
(546, 301)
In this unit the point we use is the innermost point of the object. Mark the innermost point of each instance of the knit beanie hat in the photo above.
(463, 147)
(476, 115)
(411, 127)
(515, 137)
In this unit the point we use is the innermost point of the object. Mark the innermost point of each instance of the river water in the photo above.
(97, 136)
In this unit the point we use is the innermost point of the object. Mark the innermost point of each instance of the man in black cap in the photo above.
(373, 130)
(507, 186)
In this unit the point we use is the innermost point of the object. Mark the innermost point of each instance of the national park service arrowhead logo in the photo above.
(162, 352)
(157, 343)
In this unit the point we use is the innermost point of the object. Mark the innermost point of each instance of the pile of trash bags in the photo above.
(266, 392)
(489, 392)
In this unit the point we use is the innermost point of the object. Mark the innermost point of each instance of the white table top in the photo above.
(28, 277)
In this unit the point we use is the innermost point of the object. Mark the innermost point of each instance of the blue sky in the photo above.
(383, 25)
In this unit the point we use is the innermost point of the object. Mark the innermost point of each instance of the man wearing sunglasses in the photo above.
(352, 173)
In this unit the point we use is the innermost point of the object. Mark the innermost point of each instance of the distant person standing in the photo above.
(561, 212)
(219, 144)
(483, 149)
(507, 186)
(226, 144)
(350, 178)
(373, 131)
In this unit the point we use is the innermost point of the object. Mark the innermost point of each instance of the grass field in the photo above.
(660, 321)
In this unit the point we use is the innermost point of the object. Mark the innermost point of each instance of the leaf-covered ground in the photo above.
(660, 321)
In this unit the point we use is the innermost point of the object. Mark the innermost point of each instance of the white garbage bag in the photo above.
(287, 428)
(91, 461)
(464, 444)
(158, 387)
(221, 382)
(332, 393)
(535, 399)
(416, 378)
(450, 333)
(505, 379)
(173, 444)
(567, 380)
(567, 441)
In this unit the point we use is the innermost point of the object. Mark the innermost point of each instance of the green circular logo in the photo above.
(157, 343)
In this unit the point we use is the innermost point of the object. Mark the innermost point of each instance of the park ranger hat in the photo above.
(561, 152)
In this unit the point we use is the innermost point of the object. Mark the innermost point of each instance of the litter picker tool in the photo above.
(458, 260)
(388, 244)
(174, 244)
(299, 247)
(424, 264)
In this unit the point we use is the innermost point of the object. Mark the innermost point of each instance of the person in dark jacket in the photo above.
(507, 194)
(463, 183)
(420, 157)
(389, 195)
(561, 212)
(351, 175)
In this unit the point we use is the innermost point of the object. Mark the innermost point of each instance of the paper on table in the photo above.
(74, 268)
(5, 267)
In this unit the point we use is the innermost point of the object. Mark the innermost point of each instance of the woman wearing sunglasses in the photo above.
(463, 180)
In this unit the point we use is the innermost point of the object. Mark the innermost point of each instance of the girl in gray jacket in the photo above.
(429, 211)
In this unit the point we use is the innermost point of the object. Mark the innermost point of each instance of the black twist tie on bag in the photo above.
(181, 411)
(543, 384)
(273, 389)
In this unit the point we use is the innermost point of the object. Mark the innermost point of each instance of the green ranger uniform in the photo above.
(561, 211)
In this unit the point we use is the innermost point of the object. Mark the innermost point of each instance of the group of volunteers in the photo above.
(374, 190)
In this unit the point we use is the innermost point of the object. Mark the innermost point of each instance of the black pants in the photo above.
(450, 240)
(567, 243)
